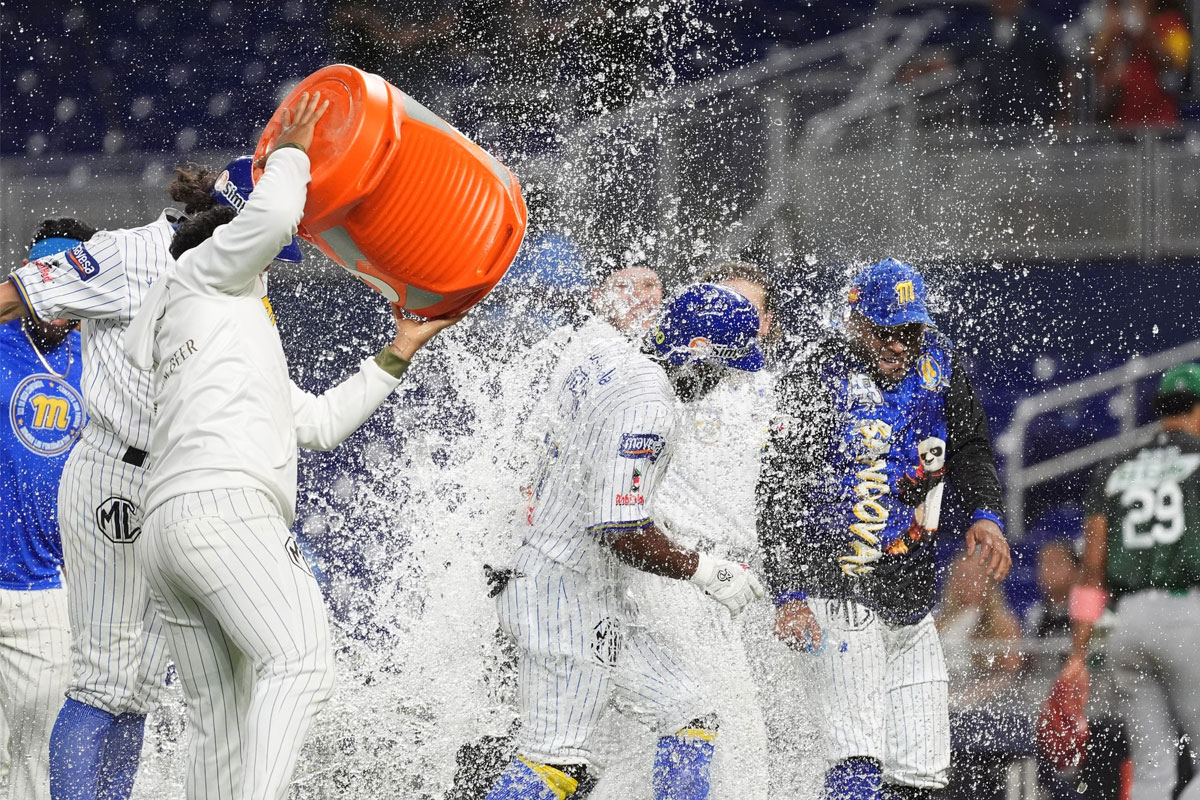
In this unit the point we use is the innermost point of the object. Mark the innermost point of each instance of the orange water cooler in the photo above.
(400, 198)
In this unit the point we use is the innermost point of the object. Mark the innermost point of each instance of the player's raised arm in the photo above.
(323, 422)
(247, 234)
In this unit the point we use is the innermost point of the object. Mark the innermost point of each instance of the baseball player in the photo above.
(39, 381)
(117, 652)
(871, 422)
(626, 299)
(242, 611)
(592, 527)
(706, 501)
(1142, 552)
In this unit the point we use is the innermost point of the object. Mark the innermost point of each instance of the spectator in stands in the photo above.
(1057, 571)
(1140, 55)
(979, 633)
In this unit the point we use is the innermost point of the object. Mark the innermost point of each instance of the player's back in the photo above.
(1150, 498)
(603, 389)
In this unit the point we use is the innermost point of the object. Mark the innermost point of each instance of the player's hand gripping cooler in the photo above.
(402, 199)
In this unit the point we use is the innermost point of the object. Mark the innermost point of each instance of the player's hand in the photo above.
(413, 334)
(298, 124)
(986, 541)
(731, 584)
(797, 627)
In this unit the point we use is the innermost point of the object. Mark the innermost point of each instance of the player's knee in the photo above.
(857, 778)
(682, 764)
(526, 779)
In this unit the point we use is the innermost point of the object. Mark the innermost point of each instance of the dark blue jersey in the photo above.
(44, 416)
(851, 489)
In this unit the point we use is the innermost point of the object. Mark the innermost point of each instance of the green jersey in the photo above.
(1150, 498)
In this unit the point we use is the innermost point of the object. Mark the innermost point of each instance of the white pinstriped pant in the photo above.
(247, 626)
(35, 665)
(118, 651)
(884, 693)
(579, 651)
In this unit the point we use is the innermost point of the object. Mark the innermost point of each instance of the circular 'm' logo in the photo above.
(46, 414)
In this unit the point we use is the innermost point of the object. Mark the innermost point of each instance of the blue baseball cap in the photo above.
(233, 187)
(889, 293)
(709, 323)
(51, 246)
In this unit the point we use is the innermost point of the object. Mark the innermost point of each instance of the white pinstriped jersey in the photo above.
(102, 283)
(709, 492)
(608, 444)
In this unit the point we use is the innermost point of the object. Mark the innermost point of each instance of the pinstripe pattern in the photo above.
(581, 649)
(248, 629)
(119, 654)
(116, 394)
(114, 668)
(35, 666)
(885, 694)
(579, 653)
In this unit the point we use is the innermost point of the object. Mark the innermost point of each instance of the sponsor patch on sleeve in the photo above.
(641, 445)
(83, 262)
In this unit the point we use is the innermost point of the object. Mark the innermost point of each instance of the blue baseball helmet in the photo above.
(889, 293)
(233, 188)
(709, 323)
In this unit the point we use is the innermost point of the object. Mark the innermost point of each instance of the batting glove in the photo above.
(731, 584)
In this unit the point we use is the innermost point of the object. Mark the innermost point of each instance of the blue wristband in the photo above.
(787, 597)
(992, 516)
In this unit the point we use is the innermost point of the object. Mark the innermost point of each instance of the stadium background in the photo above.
(810, 137)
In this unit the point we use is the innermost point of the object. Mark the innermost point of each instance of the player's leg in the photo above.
(96, 740)
(207, 664)
(1179, 669)
(1145, 705)
(34, 669)
(851, 685)
(655, 683)
(243, 568)
(917, 756)
(566, 643)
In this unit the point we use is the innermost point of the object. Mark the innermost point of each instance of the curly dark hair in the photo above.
(192, 185)
(195, 230)
(63, 228)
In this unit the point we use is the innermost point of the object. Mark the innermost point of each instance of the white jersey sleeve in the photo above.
(85, 282)
(631, 454)
(239, 251)
(323, 422)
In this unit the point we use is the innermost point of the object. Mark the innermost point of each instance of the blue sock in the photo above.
(120, 755)
(528, 780)
(682, 765)
(854, 779)
(75, 747)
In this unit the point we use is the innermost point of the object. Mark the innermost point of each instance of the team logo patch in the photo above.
(227, 189)
(931, 374)
(294, 554)
(905, 293)
(83, 262)
(46, 414)
(641, 445)
(119, 520)
(607, 641)
(863, 391)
